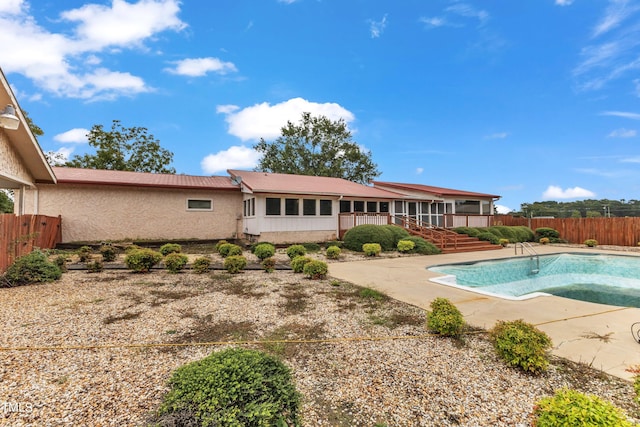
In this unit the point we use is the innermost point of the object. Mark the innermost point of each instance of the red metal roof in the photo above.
(438, 191)
(141, 179)
(280, 183)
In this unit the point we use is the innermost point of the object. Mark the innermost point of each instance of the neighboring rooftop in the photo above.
(66, 175)
(437, 191)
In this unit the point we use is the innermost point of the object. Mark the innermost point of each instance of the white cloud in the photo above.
(66, 64)
(434, 22)
(623, 133)
(227, 109)
(563, 2)
(498, 135)
(468, 11)
(376, 28)
(235, 157)
(616, 13)
(501, 209)
(623, 114)
(76, 136)
(266, 121)
(198, 67)
(554, 192)
(630, 160)
(419, 171)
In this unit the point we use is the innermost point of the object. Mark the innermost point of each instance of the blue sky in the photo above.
(530, 99)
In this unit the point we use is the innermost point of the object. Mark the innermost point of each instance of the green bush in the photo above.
(95, 266)
(445, 318)
(371, 249)
(269, 264)
(32, 268)
(254, 245)
(297, 264)
(108, 253)
(399, 233)
(235, 263)
(357, 236)
(131, 248)
(507, 232)
(495, 231)
(315, 269)
(264, 251)
(503, 242)
(175, 262)
(142, 260)
(572, 408)
(489, 237)
(636, 387)
(234, 387)
(311, 247)
(522, 345)
(523, 233)
(296, 250)
(422, 246)
(218, 244)
(170, 248)
(333, 252)
(546, 232)
(61, 262)
(469, 231)
(201, 265)
(337, 243)
(544, 241)
(84, 253)
(405, 246)
(591, 243)
(229, 249)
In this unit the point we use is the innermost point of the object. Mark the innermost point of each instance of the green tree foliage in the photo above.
(125, 149)
(35, 129)
(6, 204)
(589, 208)
(317, 146)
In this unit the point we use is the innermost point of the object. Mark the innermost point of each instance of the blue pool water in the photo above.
(605, 279)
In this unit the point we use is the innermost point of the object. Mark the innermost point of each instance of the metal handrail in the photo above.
(532, 253)
(438, 235)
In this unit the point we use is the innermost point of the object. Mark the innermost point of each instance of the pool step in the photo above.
(466, 243)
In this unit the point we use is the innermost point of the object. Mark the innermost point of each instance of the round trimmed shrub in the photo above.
(32, 268)
(234, 387)
(170, 248)
(269, 264)
(175, 262)
(399, 233)
(357, 236)
(489, 237)
(108, 253)
(333, 252)
(295, 251)
(546, 232)
(523, 233)
(84, 253)
(229, 249)
(142, 260)
(264, 251)
(422, 246)
(507, 232)
(201, 265)
(469, 231)
(312, 247)
(371, 249)
(592, 243)
(315, 269)
(445, 318)
(572, 408)
(297, 264)
(405, 246)
(522, 345)
(218, 244)
(95, 266)
(235, 263)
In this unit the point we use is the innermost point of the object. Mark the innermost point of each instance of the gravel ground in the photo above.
(409, 379)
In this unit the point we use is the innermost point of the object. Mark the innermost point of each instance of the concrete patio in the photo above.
(594, 334)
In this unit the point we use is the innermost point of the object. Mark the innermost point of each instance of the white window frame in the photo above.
(209, 209)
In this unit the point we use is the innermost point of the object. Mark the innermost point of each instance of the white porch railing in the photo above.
(457, 220)
(349, 220)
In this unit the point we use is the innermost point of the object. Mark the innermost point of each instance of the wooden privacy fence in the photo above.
(19, 235)
(607, 231)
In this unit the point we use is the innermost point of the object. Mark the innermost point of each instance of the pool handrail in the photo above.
(526, 246)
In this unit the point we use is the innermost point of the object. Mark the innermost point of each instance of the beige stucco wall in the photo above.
(12, 167)
(97, 213)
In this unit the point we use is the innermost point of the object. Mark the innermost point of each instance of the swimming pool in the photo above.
(605, 279)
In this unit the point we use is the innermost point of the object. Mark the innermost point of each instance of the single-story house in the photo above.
(22, 162)
(101, 205)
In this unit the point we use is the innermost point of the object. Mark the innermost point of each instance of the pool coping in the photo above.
(597, 335)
